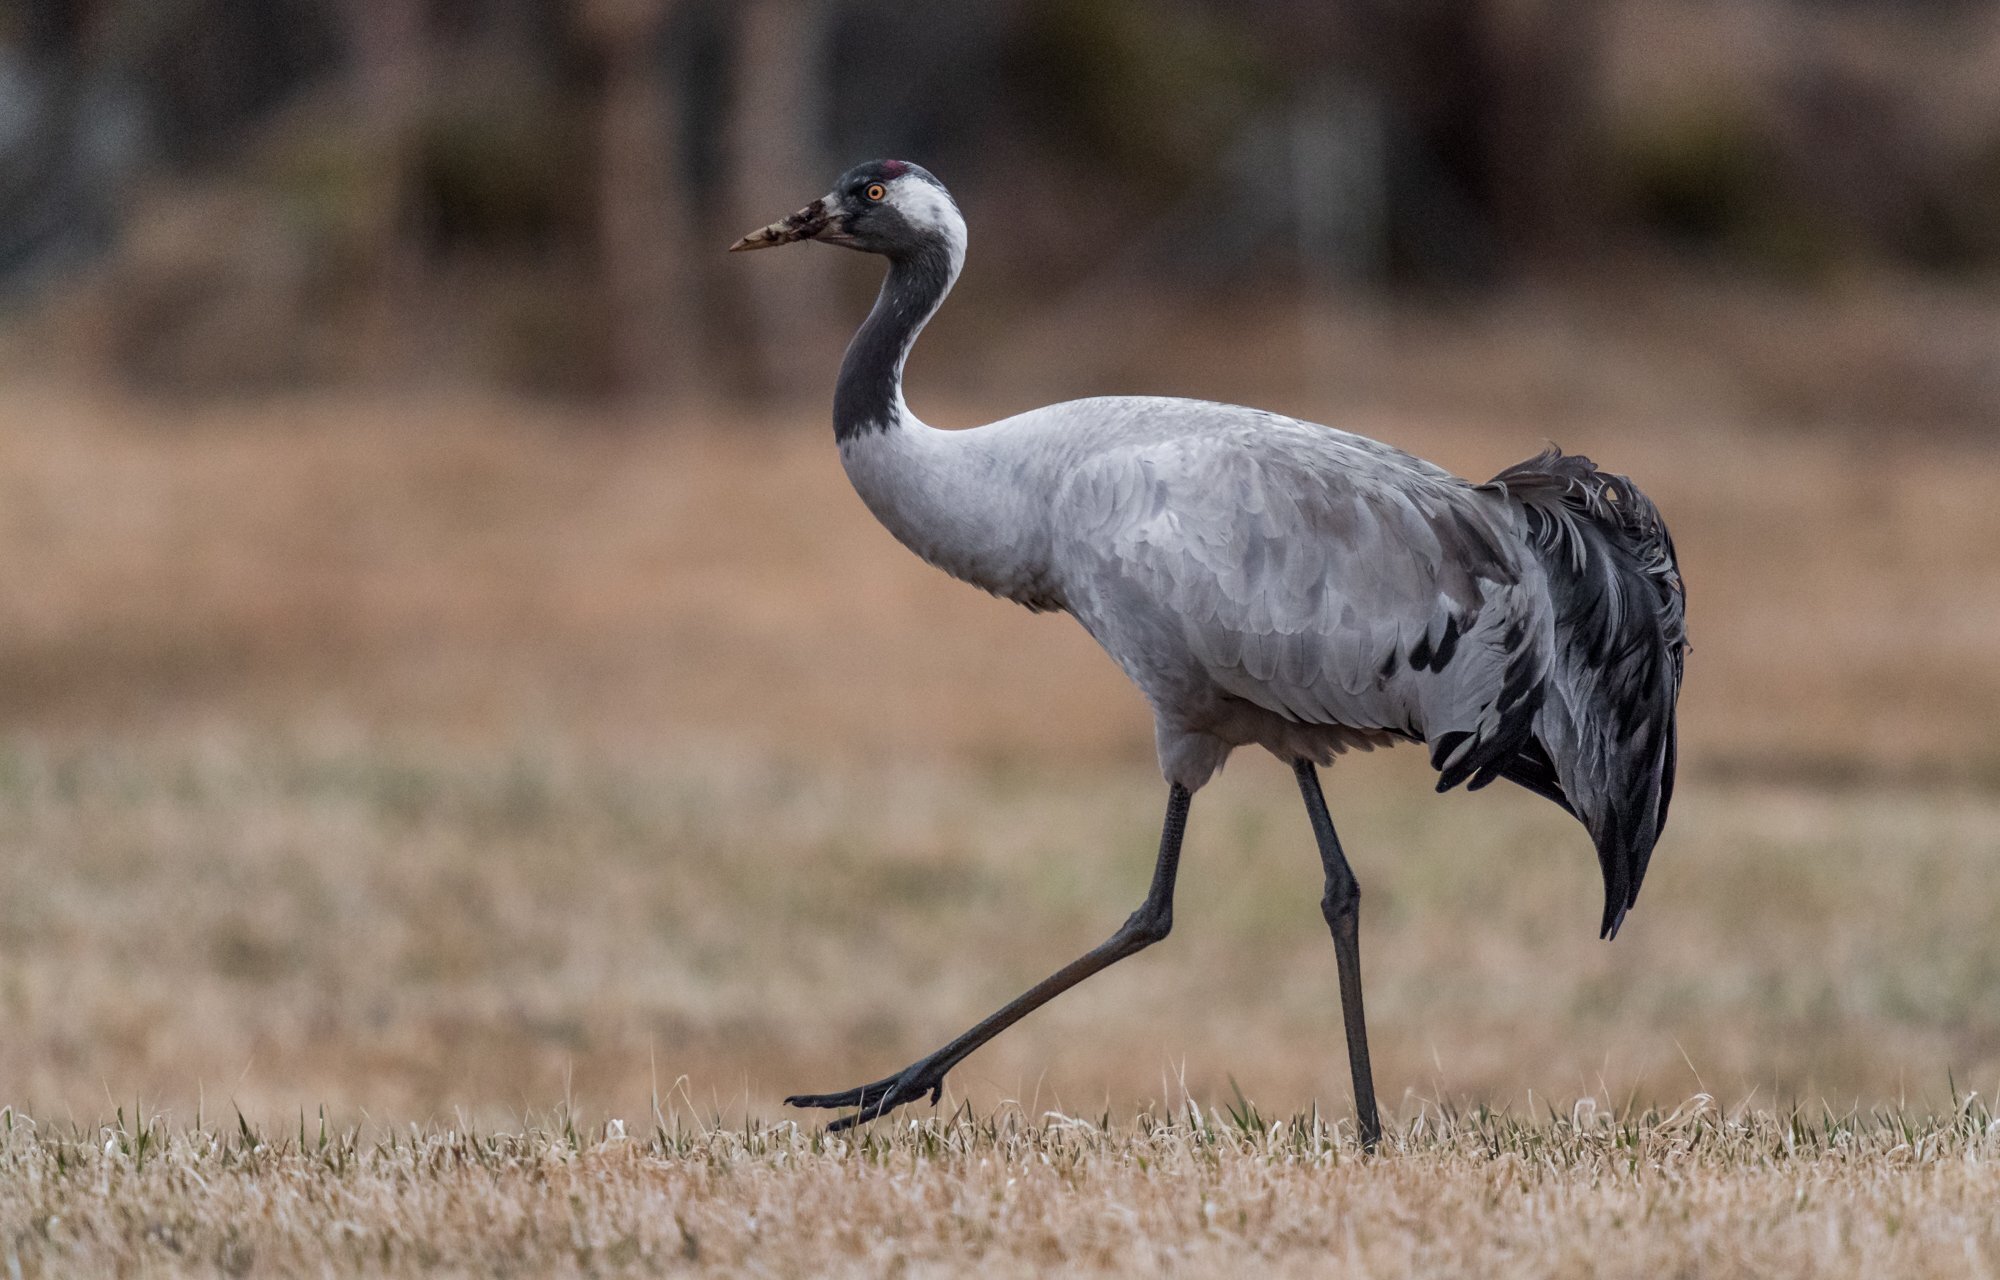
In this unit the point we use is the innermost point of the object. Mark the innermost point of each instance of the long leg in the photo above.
(1142, 929)
(1341, 905)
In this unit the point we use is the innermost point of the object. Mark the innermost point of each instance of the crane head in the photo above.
(891, 207)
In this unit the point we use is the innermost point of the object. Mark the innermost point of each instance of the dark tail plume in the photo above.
(1605, 735)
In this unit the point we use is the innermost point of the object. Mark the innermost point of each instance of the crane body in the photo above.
(1274, 583)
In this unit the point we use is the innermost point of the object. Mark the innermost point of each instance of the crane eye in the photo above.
(876, 191)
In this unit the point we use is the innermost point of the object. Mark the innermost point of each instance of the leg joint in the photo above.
(1341, 900)
(1147, 925)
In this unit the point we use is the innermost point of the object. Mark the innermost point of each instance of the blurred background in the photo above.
(211, 199)
(443, 667)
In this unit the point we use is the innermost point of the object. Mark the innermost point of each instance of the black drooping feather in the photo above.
(1605, 739)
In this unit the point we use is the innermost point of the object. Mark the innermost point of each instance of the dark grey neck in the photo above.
(869, 396)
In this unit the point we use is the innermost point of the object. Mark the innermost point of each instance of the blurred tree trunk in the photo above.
(643, 223)
(1542, 57)
(780, 100)
(391, 48)
(1498, 97)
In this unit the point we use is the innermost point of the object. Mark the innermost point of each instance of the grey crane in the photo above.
(1271, 582)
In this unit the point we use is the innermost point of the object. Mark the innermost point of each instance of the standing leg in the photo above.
(1142, 929)
(1341, 906)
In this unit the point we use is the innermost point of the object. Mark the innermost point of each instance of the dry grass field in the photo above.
(540, 799)
(1689, 1193)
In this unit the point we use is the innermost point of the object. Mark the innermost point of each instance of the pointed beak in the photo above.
(808, 223)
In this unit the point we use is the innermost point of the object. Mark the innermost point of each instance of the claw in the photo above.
(873, 1100)
(848, 1122)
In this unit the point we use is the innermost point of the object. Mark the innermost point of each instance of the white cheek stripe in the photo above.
(926, 206)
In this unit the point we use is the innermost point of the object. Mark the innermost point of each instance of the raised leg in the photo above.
(1341, 905)
(1142, 929)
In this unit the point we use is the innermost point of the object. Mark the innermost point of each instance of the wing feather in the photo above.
(1326, 579)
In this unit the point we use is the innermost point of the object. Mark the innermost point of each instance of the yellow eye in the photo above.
(875, 191)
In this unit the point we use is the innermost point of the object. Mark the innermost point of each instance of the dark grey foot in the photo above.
(878, 1099)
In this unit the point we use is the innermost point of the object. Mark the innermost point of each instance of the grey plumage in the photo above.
(1270, 582)
(1275, 583)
